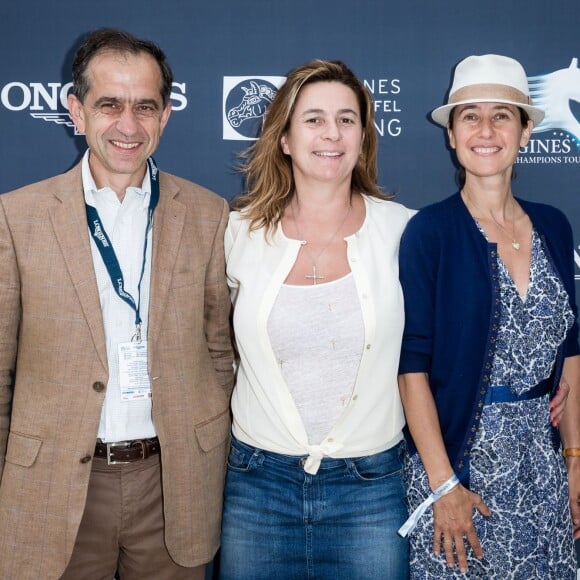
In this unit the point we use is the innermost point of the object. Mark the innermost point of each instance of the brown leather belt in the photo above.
(127, 451)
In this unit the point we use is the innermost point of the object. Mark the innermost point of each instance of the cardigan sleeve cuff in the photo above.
(413, 362)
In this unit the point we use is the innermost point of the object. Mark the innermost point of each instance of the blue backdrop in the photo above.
(405, 52)
(223, 52)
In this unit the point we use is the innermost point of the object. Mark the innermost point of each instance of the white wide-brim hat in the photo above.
(489, 78)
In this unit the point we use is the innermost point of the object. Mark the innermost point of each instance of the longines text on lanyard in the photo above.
(109, 257)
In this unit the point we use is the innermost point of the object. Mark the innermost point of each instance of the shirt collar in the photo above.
(90, 188)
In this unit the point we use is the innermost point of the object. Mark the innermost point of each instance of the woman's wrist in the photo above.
(446, 487)
(438, 481)
(571, 452)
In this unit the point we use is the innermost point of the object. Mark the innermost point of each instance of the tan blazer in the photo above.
(52, 345)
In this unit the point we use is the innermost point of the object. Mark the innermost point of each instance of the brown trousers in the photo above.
(122, 527)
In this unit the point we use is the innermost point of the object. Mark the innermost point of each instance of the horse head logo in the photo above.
(553, 93)
(254, 103)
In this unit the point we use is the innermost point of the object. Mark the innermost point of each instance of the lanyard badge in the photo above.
(133, 373)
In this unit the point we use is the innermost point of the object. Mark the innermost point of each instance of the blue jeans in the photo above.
(281, 523)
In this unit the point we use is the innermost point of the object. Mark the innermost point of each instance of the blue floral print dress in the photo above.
(513, 465)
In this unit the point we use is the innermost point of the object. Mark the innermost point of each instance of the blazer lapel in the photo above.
(168, 222)
(69, 221)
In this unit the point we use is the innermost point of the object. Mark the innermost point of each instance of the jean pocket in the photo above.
(378, 466)
(242, 460)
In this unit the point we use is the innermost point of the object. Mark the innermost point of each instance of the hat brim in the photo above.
(441, 114)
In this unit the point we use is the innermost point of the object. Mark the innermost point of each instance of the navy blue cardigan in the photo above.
(449, 277)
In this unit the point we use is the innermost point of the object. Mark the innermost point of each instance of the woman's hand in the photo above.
(453, 524)
(558, 403)
(573, 467)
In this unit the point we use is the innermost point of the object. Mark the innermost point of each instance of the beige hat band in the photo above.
(489, 92)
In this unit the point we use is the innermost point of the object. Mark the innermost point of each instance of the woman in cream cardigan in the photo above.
(314, 484)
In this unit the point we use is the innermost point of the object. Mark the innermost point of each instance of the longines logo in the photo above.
(558, 135)
(245, 100)
(386, 94)
(47, 102)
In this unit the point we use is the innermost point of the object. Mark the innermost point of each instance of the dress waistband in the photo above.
(503, 394)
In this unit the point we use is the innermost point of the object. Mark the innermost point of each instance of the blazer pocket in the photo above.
(213, 432)
(22, 450)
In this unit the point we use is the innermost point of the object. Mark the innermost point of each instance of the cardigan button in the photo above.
(86, 459)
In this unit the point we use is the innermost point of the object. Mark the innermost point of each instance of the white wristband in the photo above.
(414, 518)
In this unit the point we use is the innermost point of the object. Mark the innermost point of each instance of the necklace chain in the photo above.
(513, 240)
(315, 276)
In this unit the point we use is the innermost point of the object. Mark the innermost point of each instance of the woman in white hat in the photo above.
(490, 332)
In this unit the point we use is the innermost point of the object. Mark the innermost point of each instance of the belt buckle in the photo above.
(109, 447)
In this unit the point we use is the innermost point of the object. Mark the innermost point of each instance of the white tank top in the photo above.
(317, 334)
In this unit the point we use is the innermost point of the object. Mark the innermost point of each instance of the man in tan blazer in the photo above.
(85, 354)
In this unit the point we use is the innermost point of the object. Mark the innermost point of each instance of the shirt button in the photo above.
(355, 397)
(330, 440)
(99, 386)
(86, 459)
(368, 347)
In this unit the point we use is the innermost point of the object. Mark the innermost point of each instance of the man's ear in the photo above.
(77, 113)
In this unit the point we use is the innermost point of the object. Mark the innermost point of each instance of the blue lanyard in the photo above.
(107, 252)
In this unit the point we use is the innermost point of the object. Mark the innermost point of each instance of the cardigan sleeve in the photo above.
(571, 346)
(230, 237)
(418, 257)
(557, 234)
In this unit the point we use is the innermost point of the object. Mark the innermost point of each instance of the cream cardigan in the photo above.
(264, 413)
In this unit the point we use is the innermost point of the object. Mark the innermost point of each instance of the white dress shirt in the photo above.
(125, 224)
(265, 414)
